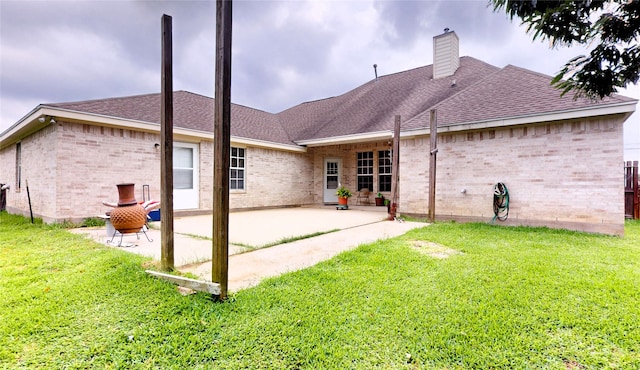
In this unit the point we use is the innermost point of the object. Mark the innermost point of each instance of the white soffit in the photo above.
(347, 139)
(108, 121)
(619, 108)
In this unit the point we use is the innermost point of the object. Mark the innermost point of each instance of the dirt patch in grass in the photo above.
(434, 250)
(573, 365)
(154, 265)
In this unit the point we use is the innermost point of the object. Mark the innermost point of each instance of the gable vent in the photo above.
(446, 54)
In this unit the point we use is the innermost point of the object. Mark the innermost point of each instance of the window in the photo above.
(18, 166)
(237, 169)
(384, 170)
(183, 168)
(332, 175)
(365, 170)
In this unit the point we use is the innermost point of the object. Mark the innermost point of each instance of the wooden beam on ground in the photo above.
(198, 285)
(222, 148)
(166, 151)
(433, 133)
(395, 167)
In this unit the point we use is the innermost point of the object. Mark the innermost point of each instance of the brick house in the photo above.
(560, 157)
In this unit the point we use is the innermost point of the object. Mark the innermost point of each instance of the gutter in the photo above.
(29, 124)
(610, 109)
(347, 139)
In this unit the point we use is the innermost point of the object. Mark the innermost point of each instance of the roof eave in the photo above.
(30, 123)
(626, 108)
(267, 144)
(347, 139)
(26, 125)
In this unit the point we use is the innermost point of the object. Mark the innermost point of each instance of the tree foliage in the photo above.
(612, 26)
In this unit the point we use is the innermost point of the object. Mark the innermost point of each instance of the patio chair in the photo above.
(363, 196)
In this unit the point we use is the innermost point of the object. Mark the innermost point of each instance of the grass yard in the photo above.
(504, 298)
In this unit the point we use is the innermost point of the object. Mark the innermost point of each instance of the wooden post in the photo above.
(29, 199)
(433, 134)
(395, 166)
(222, 147)
(166, 151)
(636, 191)
(631, 191)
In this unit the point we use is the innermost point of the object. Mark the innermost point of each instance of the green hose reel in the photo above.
(500, 202)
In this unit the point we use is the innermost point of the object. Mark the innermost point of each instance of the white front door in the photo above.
(332, 178)
(185, 176)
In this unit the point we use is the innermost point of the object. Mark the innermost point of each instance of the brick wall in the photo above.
(348, 154)
(7, 175)
(38, 152)
(206, 175)
(91, 160)
(561, 174)
(565, 174)
(274, 178)
(73, 167)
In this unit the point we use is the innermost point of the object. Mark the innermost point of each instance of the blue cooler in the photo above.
(154, 215)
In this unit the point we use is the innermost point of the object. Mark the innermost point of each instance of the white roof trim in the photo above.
(36, 113)
(618, 108)
(109, 121)
(267, 144)
(44, 110)
(347, 139)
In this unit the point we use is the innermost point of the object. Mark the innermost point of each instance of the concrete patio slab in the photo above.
(345, 229)
(248, 269)
(258, 228)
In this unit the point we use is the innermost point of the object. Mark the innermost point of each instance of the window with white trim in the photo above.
(384, 170)
(365, 170)
(183, 167)
(18, 166)
(237, 169)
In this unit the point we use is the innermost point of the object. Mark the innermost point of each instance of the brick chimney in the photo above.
(446, 54)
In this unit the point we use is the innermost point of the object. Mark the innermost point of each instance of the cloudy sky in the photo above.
(284, 52)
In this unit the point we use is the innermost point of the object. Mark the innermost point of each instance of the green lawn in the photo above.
(510, 298)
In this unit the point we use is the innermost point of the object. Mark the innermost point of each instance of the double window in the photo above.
(365, 170)
(237, 169)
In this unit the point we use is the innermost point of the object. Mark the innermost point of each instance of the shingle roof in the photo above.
(191, 111)
(372, 106)
(510, 92)
(476, 92)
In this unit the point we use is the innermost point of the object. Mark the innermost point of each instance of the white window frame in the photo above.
(240, 166)
(18, 166)
(364, 169)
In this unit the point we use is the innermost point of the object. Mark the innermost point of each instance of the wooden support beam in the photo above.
(636, 202)
(198, 285)
(636, 191)
(222, 147)
(166, 149)
(395, 168)
(433, 133)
